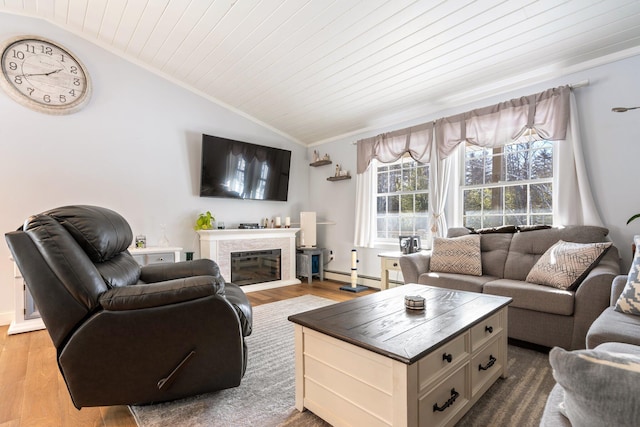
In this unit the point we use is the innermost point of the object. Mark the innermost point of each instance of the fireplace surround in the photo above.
(218, 245)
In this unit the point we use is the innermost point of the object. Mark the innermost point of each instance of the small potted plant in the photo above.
(636, 216)
(205, 221)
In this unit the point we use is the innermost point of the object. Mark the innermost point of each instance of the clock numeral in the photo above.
(76, 81)
(13, 66)
(46, 98)
(73, 70)
(46, 49)
(17, 54)
(18, 80)
(61, 57)
(72, 92)
(30, 48)
(63, 98)
(31, 90)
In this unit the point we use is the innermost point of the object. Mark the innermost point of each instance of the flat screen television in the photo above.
(241, 170)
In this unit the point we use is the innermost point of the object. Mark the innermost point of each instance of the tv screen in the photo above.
(240, 170)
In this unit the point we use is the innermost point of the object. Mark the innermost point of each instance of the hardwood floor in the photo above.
(33, 393)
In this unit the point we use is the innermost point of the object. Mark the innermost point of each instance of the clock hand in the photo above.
(43, 74)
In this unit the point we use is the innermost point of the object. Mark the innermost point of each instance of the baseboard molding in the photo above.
(6, 318)
(342, 277)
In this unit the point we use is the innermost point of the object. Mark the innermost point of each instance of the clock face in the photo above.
(44, 76)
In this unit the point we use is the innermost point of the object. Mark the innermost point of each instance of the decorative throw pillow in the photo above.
(565, 264)
(457, 255)
(601, 388)
(629, 300)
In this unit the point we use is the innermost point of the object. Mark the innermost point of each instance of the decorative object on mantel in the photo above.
(205, 221)
(354, 275)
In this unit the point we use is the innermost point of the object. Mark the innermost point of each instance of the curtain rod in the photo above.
(577, 85)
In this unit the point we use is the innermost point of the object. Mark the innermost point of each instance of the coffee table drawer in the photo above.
(447, 400)
(486, 366)
(486, 330)
(443, 360)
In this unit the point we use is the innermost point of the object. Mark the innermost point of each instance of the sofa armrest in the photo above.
(160, 294)
(413, 265)
(617, 287)
(593, 295)
(161, 272)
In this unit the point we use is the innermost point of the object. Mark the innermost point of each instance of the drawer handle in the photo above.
(448, 357)
(395, 264)
(489, 329)
(492, 360)
(454, 396)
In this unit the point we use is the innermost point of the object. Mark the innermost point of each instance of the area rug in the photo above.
(266, 396)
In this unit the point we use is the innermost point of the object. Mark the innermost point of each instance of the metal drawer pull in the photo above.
(454, 396)
(489, 329)
(448, 357)
(395, 264)
(492, 360)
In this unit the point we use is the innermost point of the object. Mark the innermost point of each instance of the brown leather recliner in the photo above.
(127, 334)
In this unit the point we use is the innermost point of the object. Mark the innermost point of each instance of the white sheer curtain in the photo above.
(365, 208)
(573, 198)
(440, 171)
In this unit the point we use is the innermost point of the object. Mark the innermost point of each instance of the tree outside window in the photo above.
(508, 185)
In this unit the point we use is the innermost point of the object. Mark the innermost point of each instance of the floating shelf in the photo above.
(338, 178)
(320, 163)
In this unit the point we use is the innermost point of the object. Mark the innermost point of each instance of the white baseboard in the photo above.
(372, 282)
(269, 285)
(6, 318)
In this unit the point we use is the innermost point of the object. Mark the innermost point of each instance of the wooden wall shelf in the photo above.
(338, 178)
(320, 163)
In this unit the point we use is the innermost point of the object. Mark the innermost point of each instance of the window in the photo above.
(508, 185)
(402, 198)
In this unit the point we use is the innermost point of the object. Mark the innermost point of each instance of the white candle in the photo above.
(277, 221)
(287, 221)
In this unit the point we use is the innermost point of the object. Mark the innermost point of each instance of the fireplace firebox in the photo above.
(249, 267)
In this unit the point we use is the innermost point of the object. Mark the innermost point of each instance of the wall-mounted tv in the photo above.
(241, 170)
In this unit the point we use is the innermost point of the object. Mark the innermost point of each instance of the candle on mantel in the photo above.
(287, 222)
(277, 222)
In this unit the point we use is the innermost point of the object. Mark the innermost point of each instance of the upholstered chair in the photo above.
(126, 334)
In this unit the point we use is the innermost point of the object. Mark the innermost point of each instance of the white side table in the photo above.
(155, 254)
(389, 261)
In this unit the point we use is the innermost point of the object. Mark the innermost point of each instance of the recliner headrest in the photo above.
(101, 232)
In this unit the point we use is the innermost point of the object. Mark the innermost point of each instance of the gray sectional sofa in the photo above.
(612, 332)
(539, 314)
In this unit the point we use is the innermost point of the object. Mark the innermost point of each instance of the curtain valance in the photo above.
(544, 115)
(389, 147)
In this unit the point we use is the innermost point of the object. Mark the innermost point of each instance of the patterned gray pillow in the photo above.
(601, 388)
(629, 300)
(457, 255)
(565, 264)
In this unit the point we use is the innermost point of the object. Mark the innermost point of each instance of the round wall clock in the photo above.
(43, 75)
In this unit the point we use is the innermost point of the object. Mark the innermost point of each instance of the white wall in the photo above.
(611, 151)
(134, 148)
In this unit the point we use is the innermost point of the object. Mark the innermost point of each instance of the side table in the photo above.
(306, 260)
(389, 261)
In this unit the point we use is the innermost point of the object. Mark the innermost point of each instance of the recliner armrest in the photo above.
(160, 294)
(161, 272)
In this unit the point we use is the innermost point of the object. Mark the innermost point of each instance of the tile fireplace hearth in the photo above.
(219, 245)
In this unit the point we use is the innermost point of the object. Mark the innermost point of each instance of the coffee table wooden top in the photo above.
(380, 322)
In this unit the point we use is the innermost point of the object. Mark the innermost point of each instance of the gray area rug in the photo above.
(266, 396)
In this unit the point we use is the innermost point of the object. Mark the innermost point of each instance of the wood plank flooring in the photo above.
(33, 393)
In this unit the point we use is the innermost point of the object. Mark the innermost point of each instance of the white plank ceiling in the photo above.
(317, 70)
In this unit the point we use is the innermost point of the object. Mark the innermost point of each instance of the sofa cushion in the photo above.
(565, 264)
(527, 248)
(629, 300)
(457, 255)
(614, 326)
(533, 297)
(601, 387)
(458, 282)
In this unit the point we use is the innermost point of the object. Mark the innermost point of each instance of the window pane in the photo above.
(422, 202)
(382, 205)
(542, 220)
(515, 199)
(422, 178)
(472, 221)
(541, 198)
(492, 221)
(406, 204)
(406, 225)
(472, 204)
(542, 163)
(492, 201)
(393, 204)
(408, 179)
(395, 181)
(515, 219)
(422, 224)
(517, 166)
(383, 182)
(393, 227)
(474, 167)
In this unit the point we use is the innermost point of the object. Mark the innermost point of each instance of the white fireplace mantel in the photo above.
(219, 244)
